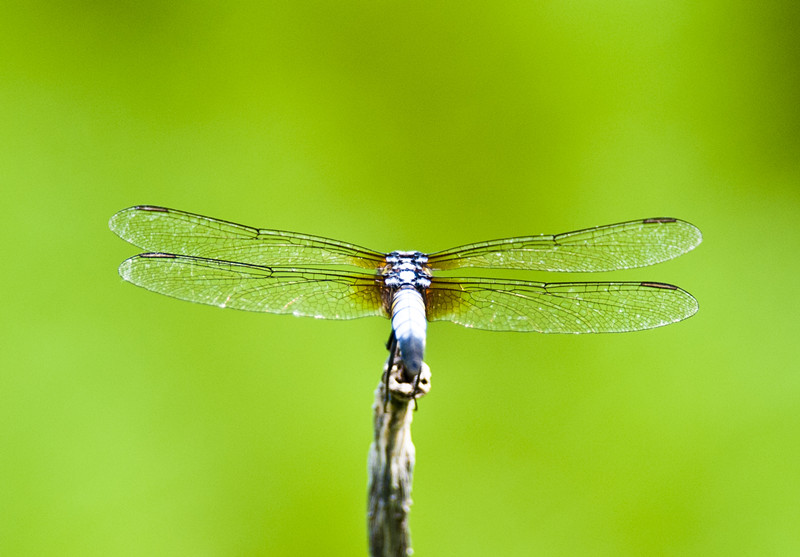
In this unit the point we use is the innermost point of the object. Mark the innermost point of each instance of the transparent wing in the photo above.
(159, 229)
(304, 292)
(564, 307)
(603, 248)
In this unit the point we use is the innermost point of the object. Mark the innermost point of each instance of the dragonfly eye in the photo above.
(393, 258)
(410, 256)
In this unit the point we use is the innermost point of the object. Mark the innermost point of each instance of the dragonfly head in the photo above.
(406, 269)
(413, 257)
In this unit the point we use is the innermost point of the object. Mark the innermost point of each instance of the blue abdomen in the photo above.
(409, 325)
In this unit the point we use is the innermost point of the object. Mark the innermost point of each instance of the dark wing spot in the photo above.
(164, 255)
(658, 220)
(658, 285)
(151, 208)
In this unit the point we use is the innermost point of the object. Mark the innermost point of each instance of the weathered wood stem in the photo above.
(391, 460)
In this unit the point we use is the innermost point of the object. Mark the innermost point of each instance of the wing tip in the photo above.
(114, 223)
(695, 235)
(125, 268)
(126, 225)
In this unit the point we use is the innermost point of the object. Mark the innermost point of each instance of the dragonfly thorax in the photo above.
(406, 269)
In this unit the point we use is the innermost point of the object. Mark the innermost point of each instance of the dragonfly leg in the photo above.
(391, 346)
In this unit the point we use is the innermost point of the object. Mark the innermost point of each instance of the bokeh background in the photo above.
(134, 424)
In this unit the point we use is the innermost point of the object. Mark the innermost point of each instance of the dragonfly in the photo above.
(220, 263)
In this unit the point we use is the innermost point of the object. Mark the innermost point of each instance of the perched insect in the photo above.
(220, 263)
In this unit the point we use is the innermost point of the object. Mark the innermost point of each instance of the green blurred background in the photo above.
(134, 424)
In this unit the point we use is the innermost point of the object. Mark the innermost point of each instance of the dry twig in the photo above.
(391, 460)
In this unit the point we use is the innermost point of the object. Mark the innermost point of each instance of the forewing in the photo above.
(603, 248)
(304, 292)
(566, 307)
(159, 229)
